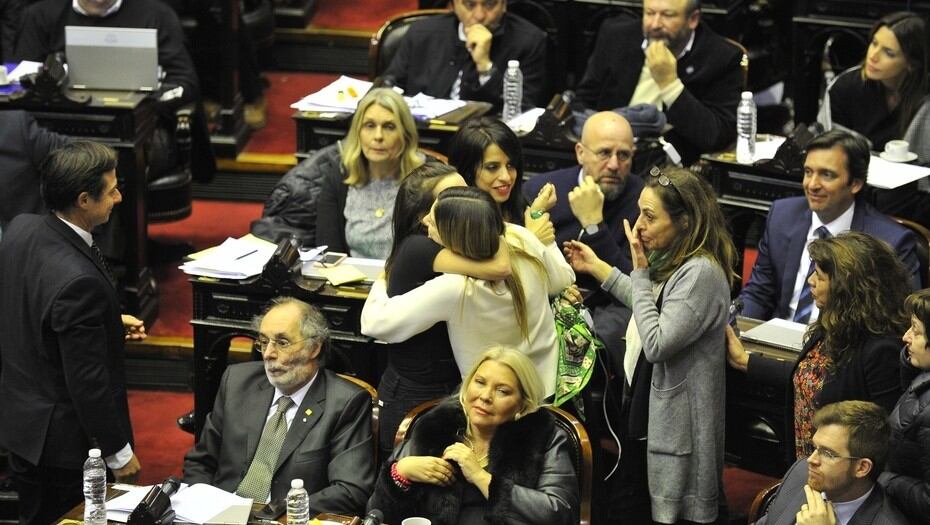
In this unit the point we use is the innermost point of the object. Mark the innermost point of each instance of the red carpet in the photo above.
(210, 224)
(358, 14)
(280, 134)
(160, 444)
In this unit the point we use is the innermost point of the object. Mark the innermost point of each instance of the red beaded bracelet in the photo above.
(399, 480)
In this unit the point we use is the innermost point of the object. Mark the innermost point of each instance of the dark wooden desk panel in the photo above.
(125, 122)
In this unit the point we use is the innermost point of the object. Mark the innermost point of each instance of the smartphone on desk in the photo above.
(330, 259)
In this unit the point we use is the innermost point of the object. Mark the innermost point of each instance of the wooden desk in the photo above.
(123, 121)
(76, 515)
(224, 309)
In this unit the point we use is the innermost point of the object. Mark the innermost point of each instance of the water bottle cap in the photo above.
(746, 95)
(297, 483)
(513, 63)
(94, 453)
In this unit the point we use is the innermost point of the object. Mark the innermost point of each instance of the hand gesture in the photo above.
(466, 460)
(541, 227)
(737, 356)
(663, 66)
(587, 202)
(426, 469)
(545, 199)
(816, 511)
(571, 295)
(130, 471)
(478, 43)
(583, 259)
(134, 328)
(636, 247)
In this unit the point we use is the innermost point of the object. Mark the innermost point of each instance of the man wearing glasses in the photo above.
(463, 54)
(591, 203)
(673, 62)
(837, 483)
(286, 418)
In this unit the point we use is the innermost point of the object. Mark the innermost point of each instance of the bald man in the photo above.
(591, 202)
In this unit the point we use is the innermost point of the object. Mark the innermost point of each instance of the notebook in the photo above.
(117, 58)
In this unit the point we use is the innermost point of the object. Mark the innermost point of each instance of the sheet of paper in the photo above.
(342, 274)
(525, 122)
(234, 259)
(372, 268)
(889, 175)
(765, 149)
(202, 503)
(342, 95)
(26, 67)
(427, 107)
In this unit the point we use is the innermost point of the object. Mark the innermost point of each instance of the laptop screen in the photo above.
(118, 58)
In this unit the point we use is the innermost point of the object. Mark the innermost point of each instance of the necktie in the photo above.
(806, 300)
(257, 481)
(102, 260)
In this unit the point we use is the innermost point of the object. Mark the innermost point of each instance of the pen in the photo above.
(244, 255)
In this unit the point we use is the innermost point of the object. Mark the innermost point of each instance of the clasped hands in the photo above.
(439, 471)
(133, 327)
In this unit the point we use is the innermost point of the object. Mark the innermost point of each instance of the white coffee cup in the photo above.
(3, 78)
(415, 521)
(897, 150)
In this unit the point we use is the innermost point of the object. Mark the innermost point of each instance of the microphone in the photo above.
(374, 517)
(170, 486)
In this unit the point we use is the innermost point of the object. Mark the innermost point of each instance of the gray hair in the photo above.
(314, 329)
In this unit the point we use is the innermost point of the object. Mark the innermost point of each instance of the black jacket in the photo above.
(704, 115)
(431, 55)
(907, 474)
(533, 479)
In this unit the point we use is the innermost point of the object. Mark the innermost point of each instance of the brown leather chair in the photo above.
(923, 248)
(374, 410)
(760, 504)
(385, 42)
(743, 62)
(577, 437)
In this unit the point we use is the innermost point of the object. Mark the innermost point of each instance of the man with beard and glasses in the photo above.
(463, 54)
(591, 203)
(836, 484)
(675, 63)
(288, 418)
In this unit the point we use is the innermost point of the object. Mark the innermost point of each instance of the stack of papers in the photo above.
(889, 175)
(198, 503)
(344, 94)
(234, 259)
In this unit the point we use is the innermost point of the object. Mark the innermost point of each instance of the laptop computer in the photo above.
(116, 58)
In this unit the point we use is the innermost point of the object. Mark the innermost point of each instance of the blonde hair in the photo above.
(354, 161)
(529, 382)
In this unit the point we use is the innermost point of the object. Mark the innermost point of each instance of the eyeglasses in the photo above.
(662, 178)
(605, 154)
(829, 455)
(283, 345)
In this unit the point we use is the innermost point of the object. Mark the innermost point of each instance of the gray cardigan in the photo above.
(685, 343)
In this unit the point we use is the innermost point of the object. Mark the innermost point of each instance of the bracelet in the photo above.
(399, 480)
(535, 214)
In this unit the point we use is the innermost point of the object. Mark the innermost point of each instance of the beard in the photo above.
(291, 373)
(613, 191)
(675, 41)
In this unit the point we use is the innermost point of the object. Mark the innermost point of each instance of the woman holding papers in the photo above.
(422, 367)
(671, 469)
(356, 200)
(479, 313)
(907, 473)
(851, 351)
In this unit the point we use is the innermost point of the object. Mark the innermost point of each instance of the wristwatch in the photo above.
(591, 229)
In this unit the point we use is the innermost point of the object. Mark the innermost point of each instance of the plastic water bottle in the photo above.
(298, 503)
(513, 91)
(95, 489)
(745, 129)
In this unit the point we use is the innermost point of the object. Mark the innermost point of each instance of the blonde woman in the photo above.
(356, 194)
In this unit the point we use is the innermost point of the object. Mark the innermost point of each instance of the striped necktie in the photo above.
(806, 300)
(103, 261)
(257, 481)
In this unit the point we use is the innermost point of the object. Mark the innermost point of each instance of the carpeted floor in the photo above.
(160, 445)
(280, 134)
(358, 14)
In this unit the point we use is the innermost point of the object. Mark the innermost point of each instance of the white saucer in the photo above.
(911, 156)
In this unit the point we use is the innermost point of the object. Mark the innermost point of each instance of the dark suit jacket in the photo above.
(871, 374)
(768, 292)
(331, 448)
(61, 340)
(11, 12)
(704, 116)
(609, 243)
(431, 55)
(877, 509)
(23, 147)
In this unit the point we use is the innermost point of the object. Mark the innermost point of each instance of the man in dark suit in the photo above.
(23, 147)
(463, 54)
(324, 432)
(837, 483)
(673, 62)
(835, 171)
(63, 381)
(591, 204)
